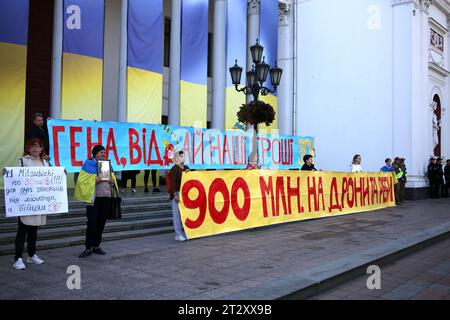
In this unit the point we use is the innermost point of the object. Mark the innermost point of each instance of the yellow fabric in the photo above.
(81, 87)
(85, 187)
(193, 104)
(144, 96)
(321, 194)
(13, 61)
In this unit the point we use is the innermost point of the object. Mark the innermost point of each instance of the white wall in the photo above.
(344, 69)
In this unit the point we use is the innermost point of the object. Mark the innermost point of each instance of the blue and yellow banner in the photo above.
(13, 62)
(237, 200)
(145, 61)
(140, 146)
(269, 40)
(194, 63)
(82, 62)
(236, 50)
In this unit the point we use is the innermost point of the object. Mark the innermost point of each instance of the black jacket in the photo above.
(447, 174)
(305, 167)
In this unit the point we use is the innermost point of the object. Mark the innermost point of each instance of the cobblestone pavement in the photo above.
(158, 267)
(423, 275)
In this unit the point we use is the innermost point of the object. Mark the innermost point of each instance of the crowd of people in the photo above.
(439, 178)
(97, 192)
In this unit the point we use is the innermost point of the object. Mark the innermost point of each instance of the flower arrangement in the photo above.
(256, 112)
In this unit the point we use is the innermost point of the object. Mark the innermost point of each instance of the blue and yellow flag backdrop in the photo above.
(236, 49)
(82, 71)
(13, 61)
(145, 61)
(269, 40)
(194, 59)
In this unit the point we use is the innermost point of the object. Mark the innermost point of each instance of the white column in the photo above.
(219, 65)
(175, 57)
(253, 7)
(57, 60)
(122, 91)
(410, 73)
(286, 62)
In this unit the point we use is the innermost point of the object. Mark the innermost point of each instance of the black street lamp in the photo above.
(257, 75)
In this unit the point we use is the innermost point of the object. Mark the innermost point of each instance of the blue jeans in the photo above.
(178, 226)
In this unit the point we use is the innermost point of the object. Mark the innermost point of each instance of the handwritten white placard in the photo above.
(34, 190)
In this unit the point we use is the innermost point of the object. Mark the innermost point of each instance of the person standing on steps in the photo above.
(91, 189)
(34, 156)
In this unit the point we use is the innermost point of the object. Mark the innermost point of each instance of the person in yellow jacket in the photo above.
(91, 189)
(398, 176)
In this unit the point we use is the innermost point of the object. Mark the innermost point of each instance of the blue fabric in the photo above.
(387, 169)
(90, 166)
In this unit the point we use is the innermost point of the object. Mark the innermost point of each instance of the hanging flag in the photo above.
(145, 61)
(269, 40)
(236, 50)
(13, 62)
(194, 59)
(82, 66)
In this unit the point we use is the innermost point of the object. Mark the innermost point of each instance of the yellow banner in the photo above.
(214, 202)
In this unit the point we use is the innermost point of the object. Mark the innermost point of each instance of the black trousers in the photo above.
(146, 176)
(96, 216)
(435, 189)
(30, 232)
(126, 177)
(444, 189)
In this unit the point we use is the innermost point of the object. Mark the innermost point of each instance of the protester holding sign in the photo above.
(175, 184)
(34, 156)
(95, 191)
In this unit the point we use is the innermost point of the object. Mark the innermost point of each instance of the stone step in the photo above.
(11, 226)
(128, 200)
(81, 212)
(79, 230)
(8, 249)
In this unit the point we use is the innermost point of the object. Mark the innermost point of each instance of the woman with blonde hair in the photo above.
(34, 156)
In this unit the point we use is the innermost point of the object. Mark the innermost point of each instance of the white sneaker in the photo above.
(19, 265)
(180, 238)
(35, 259)
(134, 190)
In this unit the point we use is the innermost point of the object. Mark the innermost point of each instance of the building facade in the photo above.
(364, 77)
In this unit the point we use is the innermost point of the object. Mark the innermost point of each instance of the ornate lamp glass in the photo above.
(236, 72)
(256, 51)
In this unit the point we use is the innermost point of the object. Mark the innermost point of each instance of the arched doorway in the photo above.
(437, 125)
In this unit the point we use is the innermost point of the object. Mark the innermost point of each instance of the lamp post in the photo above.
(255, 85)
(257, 75)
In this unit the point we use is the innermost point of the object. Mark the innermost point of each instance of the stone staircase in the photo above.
(143, 214)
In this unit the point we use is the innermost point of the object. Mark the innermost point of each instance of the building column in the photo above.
(122, 88)
(175, 58)
(411, 127)
(286, 62)
(219, 65)
(253, 8)
(55, 109)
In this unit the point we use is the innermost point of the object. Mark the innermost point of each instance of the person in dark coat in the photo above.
(440, 177)
(39, 130)
(447, 178)
(433, 174)
(308, 165)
